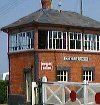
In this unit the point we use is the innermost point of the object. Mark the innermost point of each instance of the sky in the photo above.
(12, 10)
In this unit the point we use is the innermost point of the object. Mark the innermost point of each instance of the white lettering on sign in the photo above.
(76, 58)
(46, 66)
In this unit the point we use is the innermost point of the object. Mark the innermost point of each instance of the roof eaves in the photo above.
(7, 28)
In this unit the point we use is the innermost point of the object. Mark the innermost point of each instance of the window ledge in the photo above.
(21, 51)
(53, 50)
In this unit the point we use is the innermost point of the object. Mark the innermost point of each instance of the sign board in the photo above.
(46, 66)
(76, 58)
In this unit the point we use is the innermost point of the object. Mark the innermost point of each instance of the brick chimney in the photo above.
(46, 4)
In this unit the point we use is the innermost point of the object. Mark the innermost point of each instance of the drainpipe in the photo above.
(35, 55)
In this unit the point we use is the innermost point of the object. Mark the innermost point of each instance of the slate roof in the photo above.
(51, 16)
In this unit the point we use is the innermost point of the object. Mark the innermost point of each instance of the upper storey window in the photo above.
(91, 42)
(21, 41)
(75, 41)
(57, 40)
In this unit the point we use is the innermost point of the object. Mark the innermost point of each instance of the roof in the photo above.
(51, 16)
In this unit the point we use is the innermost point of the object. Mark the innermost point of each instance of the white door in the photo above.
(28, 80)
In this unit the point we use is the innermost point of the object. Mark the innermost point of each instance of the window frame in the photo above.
(65, 77)
(88, 74)
(90, 42)
(56, 38)
(21, 41)
(75, 33)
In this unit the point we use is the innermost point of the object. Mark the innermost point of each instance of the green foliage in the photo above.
(3, 91)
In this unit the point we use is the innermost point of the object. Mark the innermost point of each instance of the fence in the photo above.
(70, 93)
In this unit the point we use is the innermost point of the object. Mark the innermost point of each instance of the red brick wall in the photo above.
(18, 62)
(76, 66)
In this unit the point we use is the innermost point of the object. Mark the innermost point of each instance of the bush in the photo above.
(3, 91)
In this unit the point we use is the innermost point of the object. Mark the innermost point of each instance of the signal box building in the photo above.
(61, 45)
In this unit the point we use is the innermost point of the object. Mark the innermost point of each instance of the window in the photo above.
(57, 40)
(91, 42)
(75, 41)
(88, 74)
(21, 41)
(42, 39)
(63, 74)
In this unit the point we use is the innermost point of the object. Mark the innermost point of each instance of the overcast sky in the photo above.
(12, 10)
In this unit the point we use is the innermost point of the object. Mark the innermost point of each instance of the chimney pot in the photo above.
(46, 4)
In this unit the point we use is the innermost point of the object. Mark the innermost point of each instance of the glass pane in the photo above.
(89, 72)
(59, 34)
(85, 37)
(61, 78)
(83, 77)
(57, 44)
(78, 44)
(71, 35)
(64, 44)
(65, 78)
(79, 36)
(87, 78)
(94, 45)
(61, 72)
(50, 34)
(54, 44)
(75, 35)
(23, 34)
(97, 38)
(72, 44)
(93, 37)
(90, 79)
(89, 46)
(29, 34)
(85, 45)
(86, 72)
(83, 72)
(90, 37)
(54, 34)
(64, 41)
(65, 72)
(64, 35)
(60, 44)
(50, 43)
(97, 45)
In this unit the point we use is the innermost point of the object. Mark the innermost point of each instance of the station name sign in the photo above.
(76, 58)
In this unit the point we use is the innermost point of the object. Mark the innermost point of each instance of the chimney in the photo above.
(46, 4)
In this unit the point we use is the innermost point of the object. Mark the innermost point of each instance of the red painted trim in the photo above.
(97, 98)
(73, 96)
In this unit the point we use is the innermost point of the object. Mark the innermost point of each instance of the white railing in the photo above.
(58, 93)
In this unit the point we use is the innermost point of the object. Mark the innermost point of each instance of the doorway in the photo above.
(28, 85)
